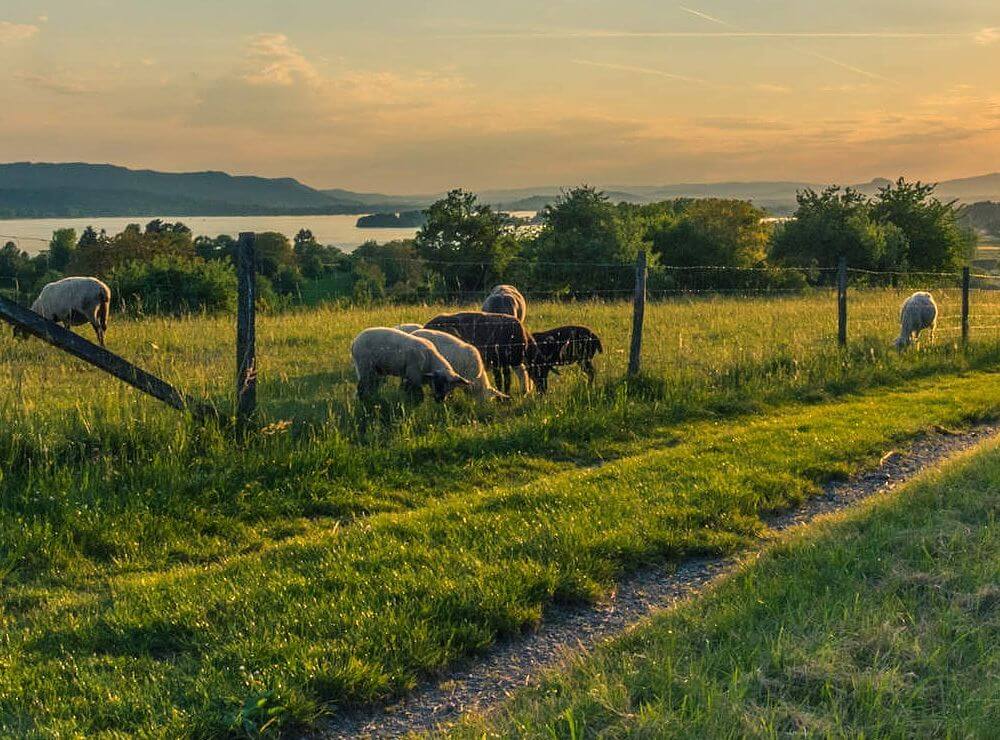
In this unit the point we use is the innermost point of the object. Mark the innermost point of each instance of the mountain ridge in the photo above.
(49, 189)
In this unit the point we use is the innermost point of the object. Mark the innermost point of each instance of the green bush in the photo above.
(174, 285)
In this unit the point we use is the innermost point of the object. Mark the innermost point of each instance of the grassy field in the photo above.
(883, 622)
(159, 577)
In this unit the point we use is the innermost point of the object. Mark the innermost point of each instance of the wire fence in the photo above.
(711, 319)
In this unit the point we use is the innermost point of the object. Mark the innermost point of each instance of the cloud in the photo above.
(597, 33)
(13, 32)
(767, 87)
(53, 83)
(274, 61)
(987, 36)
(743, 123)
(643, 71)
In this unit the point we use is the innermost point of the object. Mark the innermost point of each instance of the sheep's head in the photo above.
(901, 343)
(443, 384)
(20, 333)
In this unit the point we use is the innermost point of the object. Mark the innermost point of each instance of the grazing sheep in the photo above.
(465, 360)
(565, 345)
(508, 300)
(919, 312)
(380, 351)
(409, 328)
(75, 301)
(502, 341)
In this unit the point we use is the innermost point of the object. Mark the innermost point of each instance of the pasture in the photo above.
(161, 577)
(879, 622)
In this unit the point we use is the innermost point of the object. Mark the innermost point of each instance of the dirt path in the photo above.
(489, 680)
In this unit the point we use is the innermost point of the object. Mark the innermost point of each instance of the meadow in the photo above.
(162, 577)
(877, 622)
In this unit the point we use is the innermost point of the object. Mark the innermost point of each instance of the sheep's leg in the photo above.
(98, 331)
(588, 367)
(523, 379)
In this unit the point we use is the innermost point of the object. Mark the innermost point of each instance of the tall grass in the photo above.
(95, 475)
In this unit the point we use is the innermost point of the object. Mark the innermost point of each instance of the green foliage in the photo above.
(902, 228)
(61, 248)
(174, 285)
(273, 252)
(100, 255)
(934, 237)
(467, 243)
(827, 226)
(394, 269)
(726, 233)
(583, 227)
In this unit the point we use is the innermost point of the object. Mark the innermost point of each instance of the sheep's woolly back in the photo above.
(393, 352)
(58, 300)
(919, 312)
(508, 300)
(410, 328)
(464, 358)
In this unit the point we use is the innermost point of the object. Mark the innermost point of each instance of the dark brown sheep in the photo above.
(565, 345)
(502, 341)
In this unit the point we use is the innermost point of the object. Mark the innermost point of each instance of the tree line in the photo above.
(581, 245)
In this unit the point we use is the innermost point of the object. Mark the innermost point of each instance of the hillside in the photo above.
(77, 189)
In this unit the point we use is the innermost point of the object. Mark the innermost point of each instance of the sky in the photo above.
(417, 96)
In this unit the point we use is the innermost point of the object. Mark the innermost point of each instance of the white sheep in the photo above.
(75, 301)
(506, 299)
(919, 312)
(466, 361)
(380, 351)
(409, 328)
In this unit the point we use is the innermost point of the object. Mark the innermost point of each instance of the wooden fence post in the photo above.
(51, 332)
(638, 315)
(966, 280)
(246, 331)
(842, 302)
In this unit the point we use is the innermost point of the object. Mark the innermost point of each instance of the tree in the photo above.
(729, 233)
(584, 228)
(99, 255)
(469, 244)
(222, 247)
(61, 248)
(837, 223)
(273, 252)
(936, 239)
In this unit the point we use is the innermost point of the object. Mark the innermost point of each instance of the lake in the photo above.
(32, 235)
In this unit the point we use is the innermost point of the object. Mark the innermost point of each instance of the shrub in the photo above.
(174, 285)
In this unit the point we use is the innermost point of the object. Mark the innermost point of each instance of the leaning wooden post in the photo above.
(638, 314)
(842, 302)
(966, 280)
(30, 322)
(246, 331)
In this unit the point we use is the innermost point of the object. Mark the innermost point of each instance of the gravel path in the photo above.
(513, 663)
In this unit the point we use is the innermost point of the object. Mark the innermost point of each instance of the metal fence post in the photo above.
(246, 331)
(638, 315)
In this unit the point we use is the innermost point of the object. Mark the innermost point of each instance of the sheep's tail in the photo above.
(598, 347)
(104, 309)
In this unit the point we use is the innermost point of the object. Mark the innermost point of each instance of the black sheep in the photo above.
(502, 341)
(565, 345)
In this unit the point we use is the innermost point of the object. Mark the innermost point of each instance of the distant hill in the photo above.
(77, 189)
